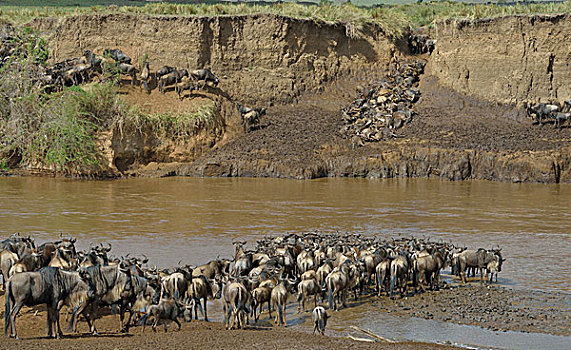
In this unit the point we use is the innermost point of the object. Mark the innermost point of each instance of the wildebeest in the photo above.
(383, 272)
(319, 318)
(250, 117)
(279, 297)
(168, 309)
(212, 269)
(235, 305)
(117, 55)
(48, 286)
(201, 287)
(111, 284)
(337, 282)
(540, 111)
(171, 78)
(399, 273)
(560, 118)
(127, 69)
(164, 70)
(205, 75)
(7, 260)
(428, 268)
(478, 259)
(261, 295)
(305, 289)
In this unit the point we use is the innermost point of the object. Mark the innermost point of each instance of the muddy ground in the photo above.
(194, 335)
(492, 307)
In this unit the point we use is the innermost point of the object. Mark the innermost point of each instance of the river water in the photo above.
(195, 219)
(192, 220)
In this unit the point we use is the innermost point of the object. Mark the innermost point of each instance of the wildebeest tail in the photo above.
(330, 295)
(415, 273)
(456, 270)
(176, 294)
(280, 312)
(393, 276)
(8, 308)
(321, 322)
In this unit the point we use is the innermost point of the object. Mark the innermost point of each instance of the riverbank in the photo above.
(495, 308)
(469, 123)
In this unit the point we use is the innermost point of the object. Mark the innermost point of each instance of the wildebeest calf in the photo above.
(167, 309)
(319, 318)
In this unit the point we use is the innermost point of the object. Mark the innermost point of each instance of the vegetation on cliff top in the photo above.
(394, 19)
(58, 131)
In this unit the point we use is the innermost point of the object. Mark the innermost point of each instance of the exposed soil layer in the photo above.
(469, 122)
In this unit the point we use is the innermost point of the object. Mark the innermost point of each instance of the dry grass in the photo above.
(394, 20)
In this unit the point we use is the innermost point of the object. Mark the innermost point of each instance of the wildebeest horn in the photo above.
(145, 259)
(109, 248)
(179, 262)
(73, 239)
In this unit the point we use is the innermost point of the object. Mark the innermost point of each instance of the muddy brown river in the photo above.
(195, 219)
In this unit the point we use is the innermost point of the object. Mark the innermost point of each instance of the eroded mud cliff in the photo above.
(469, 122)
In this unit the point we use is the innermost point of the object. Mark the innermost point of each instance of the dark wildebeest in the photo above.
(428, 268)
(540, 111)
(212, 269)
(383, 271)
(478, 259)
(279, 297)
(168, 309)
(399, 273)
(250, 117)
(305, 289)
(235, 305)
(261, 295)
(112, 285)
(202, 288)
(337, 282)
(50, 286)
(205, 75)
(319, 318)
(117, 55)
(171, 78)
(560, 118)
(164, 71)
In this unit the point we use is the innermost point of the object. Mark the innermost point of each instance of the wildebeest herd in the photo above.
(553, 111)
(385, 107)
(325, 266)
(110, 65)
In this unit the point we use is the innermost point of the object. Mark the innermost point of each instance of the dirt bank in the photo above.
(469, 123)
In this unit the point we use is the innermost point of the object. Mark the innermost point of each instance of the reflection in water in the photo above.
(195, 219)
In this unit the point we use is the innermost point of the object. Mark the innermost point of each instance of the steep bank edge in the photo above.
(260, 58)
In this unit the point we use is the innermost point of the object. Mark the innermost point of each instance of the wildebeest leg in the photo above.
(165, 325)
(205, 312)
(178, 324)
(15, 309)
